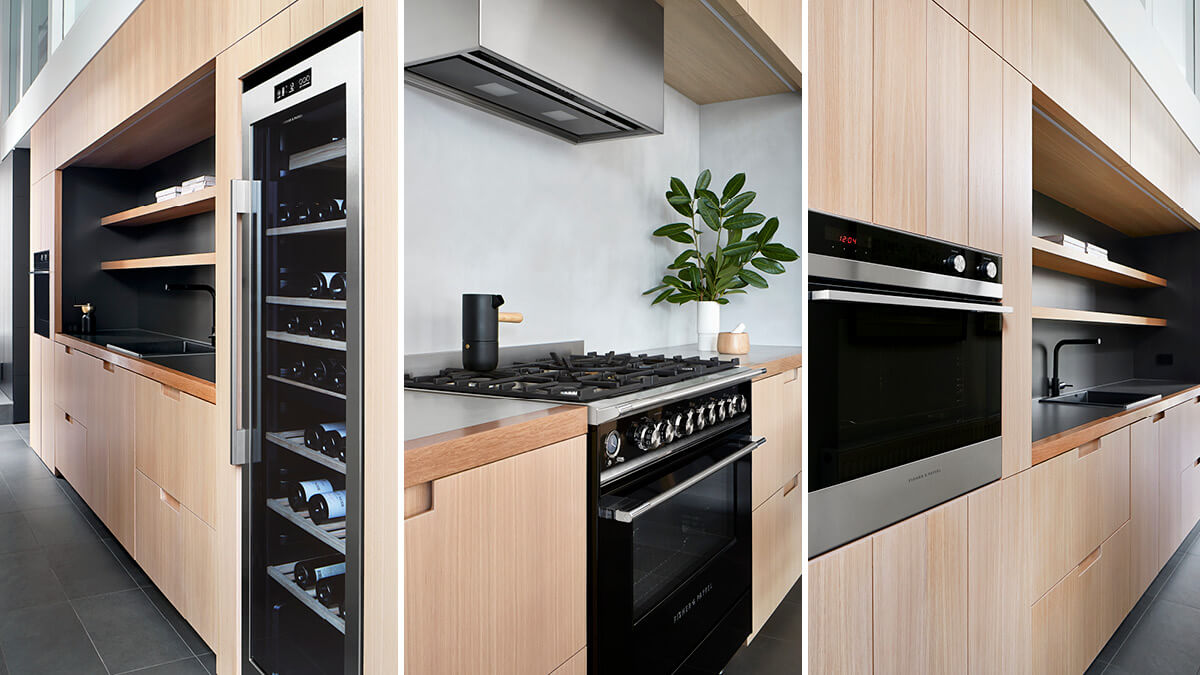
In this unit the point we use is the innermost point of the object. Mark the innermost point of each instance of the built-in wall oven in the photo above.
(904, 403)
(41, 293)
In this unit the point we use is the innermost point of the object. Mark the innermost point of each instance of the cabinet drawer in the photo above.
(70, 442)
(777, 542)
(776, 409)
(1189, 499)
(72, 381)
(1078, 499)
(175, 445)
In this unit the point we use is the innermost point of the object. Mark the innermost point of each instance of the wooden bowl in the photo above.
(733, 343)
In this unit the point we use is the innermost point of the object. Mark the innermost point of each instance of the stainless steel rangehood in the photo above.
(583, 70)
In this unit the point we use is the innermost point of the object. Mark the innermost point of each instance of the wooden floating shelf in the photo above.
(284, 574)
(200, 201)
(322, 303)
(294, 441)
(1069, 260)
(332, 533)
(1084, 316)
(187, 260)
(324, 343)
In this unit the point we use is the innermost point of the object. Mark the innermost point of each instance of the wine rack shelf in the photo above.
(333, 534)
(294, 441)
(283, 575)
(309, 387)
(324, 343)
(318, 303)
(323, 226)
(318, 155)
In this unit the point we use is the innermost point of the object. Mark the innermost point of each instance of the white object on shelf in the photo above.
(741, 328)
(167, 193)
(708, 324)
(1095, 250)
(1066, 240)
(207, 181)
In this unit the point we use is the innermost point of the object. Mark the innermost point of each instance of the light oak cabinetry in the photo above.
(1146, 554)
(840, 107)
(495, 572)
(898, 114)
(986, 148)
(176, 442)
(947, 127)
(1154, 148)
(70, 442)
(110, 449)
(841, 637)
(776, 417)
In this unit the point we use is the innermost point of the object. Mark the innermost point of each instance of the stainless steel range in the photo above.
(670, 453)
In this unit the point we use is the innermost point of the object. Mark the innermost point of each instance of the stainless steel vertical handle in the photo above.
(246, 204)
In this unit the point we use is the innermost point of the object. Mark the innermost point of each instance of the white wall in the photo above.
(563, 231)
(762, 138)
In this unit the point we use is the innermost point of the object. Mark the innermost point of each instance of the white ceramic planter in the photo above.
(708, 324)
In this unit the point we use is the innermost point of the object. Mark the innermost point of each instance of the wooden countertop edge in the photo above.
(188, 384)
(450, 452)
(777, 366)
(1053, 446)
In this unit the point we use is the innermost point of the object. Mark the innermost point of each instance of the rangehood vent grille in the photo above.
(488, 83)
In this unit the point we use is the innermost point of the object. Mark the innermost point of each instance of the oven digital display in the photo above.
(298, 82)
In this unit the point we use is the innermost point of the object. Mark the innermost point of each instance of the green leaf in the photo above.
(769, 230)
(722, 301)
(753, 278)
(744, 220)
(710, 197)
(767, 265)
(739, 203)
(680, 298)
(733, 187)
(655, 289)
(690, 274)
(702, 180)
(672, 281)
(779, 252)
(679, 188)
(683, 208)
(682, 237)
(741, 247)
(735, 290)
(685, 256)
(662, 296)
(735, 236)
(673, 228)
(710, 216)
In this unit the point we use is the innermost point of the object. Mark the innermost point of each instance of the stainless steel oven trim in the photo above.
(868, 272)
(632, 514)
(610, 409)
(607, 476)
(908, 301)
(841, 513)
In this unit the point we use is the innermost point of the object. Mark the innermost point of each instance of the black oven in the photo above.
(904, 402)
(41, 293)
(672, 562)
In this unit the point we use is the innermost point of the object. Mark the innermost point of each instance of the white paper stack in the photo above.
(166, 193)
(197, 183)
(1095, 250)
(1066, 240)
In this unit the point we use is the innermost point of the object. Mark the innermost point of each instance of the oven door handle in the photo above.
(630, 515)
(908, 301)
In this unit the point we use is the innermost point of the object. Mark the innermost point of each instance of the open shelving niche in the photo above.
(1068, 260)
(200, 201)
(158, 262)
(1086, 316)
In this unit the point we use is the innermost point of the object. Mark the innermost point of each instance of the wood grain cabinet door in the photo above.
(840, 107)
(777, 558)
(1154, 148)
(947, 130)
(495, 572)
(898, 114)
(70, 441)
(776, 412)
(113, 400)
(1143, 503)
(986, 151)
(840, 631)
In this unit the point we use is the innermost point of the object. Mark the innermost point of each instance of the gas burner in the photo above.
(574, 377)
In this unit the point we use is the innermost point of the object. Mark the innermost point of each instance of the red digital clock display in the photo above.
(848, 240)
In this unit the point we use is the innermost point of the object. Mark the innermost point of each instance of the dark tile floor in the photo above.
(1161, 636)
(71, 598)
(776, 650)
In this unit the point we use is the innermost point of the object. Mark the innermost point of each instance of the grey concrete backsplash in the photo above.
(1126, 351)
(563, 231)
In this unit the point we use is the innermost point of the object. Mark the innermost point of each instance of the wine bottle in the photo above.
(318, 326)
(283, 215)
(320, 284)
(299, 492)
(336, 328)
(295, 324)
(314, 436)
(320, 374)
(333, 443)
(303, 213)
(339, 378)
(308, 573)
(297, 371)
(327, 506)
(332, 590)
(337, 286)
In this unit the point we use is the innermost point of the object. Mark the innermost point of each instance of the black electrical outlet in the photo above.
(1164, 360)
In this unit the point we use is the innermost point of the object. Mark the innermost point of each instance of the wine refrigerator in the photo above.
(297, 360)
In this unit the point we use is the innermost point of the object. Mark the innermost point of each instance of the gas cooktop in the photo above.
(574, 378)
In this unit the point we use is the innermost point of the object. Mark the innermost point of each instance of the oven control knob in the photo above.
(665, 431)
(643, 434)
(689, 423)
(739, 400)
(988, 269)
(957, 262)
(678, 426)
(710, 410)
(612, 444)
(722, 409)
(701, 416)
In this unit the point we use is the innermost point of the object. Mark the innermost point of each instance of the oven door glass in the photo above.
(896, 384)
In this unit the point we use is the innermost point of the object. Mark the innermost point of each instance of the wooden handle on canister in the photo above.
(511, 317)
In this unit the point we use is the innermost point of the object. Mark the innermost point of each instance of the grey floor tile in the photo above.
(189, 666)
(209, 662)
(8, 433)
(1096, 668)
(123, 557)
(1184, 585)
(37, 493)
(15, 533)
(173, 617)
(59, 525)
(88, 568)
(766, 655)
(1164, 642)
(47, 639)
(128, 631)
(786, 623)
(18, 461)
(7, 503)
(26, 580)
(1109, 652)
(794, 595)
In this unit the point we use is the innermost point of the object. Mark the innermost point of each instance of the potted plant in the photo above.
(707, 272)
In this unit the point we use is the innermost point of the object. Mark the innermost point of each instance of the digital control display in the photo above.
(298, 82)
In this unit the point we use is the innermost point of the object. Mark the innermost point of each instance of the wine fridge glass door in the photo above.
(301, 367)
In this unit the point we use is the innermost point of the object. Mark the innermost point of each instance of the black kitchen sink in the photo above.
(1107, 399)
(143, 348)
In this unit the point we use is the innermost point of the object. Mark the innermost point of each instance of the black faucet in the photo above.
(212, 335)
(1057, 385)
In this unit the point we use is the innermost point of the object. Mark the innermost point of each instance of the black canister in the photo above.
(480, 330)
